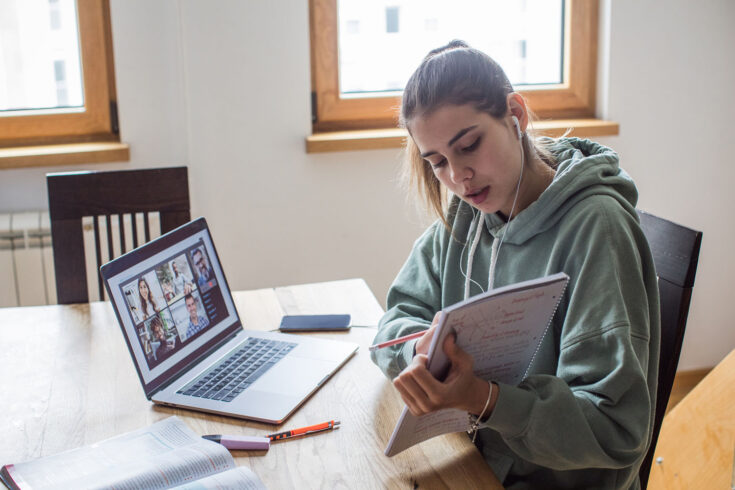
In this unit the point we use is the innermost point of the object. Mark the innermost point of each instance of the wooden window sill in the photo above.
(66, 154)
(379, 139)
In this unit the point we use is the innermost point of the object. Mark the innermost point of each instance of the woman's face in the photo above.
(143, 288)
(476, 156)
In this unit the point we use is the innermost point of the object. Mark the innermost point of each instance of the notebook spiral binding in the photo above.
(548, 324)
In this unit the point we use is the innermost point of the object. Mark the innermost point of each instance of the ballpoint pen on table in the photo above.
(399, 340)
(304, 431)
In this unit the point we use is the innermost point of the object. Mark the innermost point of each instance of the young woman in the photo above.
(512, 208)
(147, 303)
(162, 346)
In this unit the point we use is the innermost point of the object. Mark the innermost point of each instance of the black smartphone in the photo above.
(314, 323)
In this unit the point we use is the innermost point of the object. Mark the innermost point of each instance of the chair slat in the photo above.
(146, 227)
(98, 253)
(121, 225)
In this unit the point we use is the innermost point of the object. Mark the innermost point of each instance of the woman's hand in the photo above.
(461, 389)
(422, 346)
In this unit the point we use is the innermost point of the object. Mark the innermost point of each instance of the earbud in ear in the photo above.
(517, 125)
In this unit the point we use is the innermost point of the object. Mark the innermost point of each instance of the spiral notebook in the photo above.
(502, 330)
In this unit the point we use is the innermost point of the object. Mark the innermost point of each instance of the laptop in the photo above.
(188, 345)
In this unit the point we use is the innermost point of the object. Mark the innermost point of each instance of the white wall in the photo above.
(672, 75)
(279, 215)
(224, 88)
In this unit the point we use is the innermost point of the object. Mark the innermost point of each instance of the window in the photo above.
(555, 68)
(56, 73)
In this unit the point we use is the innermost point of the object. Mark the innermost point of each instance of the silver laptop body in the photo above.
(180, 323)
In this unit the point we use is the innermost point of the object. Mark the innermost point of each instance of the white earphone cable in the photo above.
(478, 232)
(494, 257)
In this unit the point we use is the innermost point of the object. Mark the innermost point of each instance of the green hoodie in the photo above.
(583, 416)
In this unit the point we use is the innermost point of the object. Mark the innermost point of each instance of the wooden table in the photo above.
(697, 437)
(68, 381)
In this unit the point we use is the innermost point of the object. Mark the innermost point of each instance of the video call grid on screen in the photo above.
(183, 281)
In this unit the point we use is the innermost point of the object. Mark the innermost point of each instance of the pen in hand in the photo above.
(399, 340)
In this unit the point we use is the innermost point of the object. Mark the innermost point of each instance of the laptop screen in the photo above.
(172, 301)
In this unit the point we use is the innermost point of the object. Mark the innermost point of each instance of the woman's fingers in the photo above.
(424, 394)
(420, 390)
(459, 358)
(412, 386)
(422, 346)
(433, 389)
(406, 396)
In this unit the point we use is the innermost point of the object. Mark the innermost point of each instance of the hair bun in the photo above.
(453, 44)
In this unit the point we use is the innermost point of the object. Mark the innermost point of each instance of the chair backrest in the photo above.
(73, 196)
(675, 251)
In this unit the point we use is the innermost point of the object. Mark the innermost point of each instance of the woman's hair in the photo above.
(143, 302)
(454, 74)
(156, 322)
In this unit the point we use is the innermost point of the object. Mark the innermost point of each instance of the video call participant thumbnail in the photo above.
(197, 322)
(182, 283)
(205, 276)
(162, 345)
(148, 304)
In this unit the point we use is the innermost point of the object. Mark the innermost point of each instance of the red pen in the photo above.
(304, 431)
(399, 340)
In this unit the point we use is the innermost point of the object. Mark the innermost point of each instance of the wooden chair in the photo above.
(675, 253)
(101, 195)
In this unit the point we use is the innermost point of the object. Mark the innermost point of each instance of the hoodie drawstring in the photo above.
(471, 256)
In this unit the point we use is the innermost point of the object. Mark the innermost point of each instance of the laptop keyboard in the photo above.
(233, 374)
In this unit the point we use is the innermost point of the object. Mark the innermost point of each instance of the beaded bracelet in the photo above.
(475, 422)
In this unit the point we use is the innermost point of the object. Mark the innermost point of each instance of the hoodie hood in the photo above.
(584, 168)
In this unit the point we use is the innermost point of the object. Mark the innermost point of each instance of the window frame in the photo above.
(574, 98)
(97, 122)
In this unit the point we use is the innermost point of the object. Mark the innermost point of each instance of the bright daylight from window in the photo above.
(39, 55)
(382, 42)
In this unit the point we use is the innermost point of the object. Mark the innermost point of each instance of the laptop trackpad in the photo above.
(294, 376)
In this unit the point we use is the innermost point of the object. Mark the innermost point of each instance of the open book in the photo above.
(165, 455)
(502, 330)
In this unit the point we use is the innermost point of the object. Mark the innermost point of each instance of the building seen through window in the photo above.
(391, 19)
(524, 36)
(39, 55)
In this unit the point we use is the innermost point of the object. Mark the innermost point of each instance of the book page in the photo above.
(502, 330)
(163, 455)
(241, 478)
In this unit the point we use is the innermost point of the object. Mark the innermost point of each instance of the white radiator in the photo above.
(26, 260)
